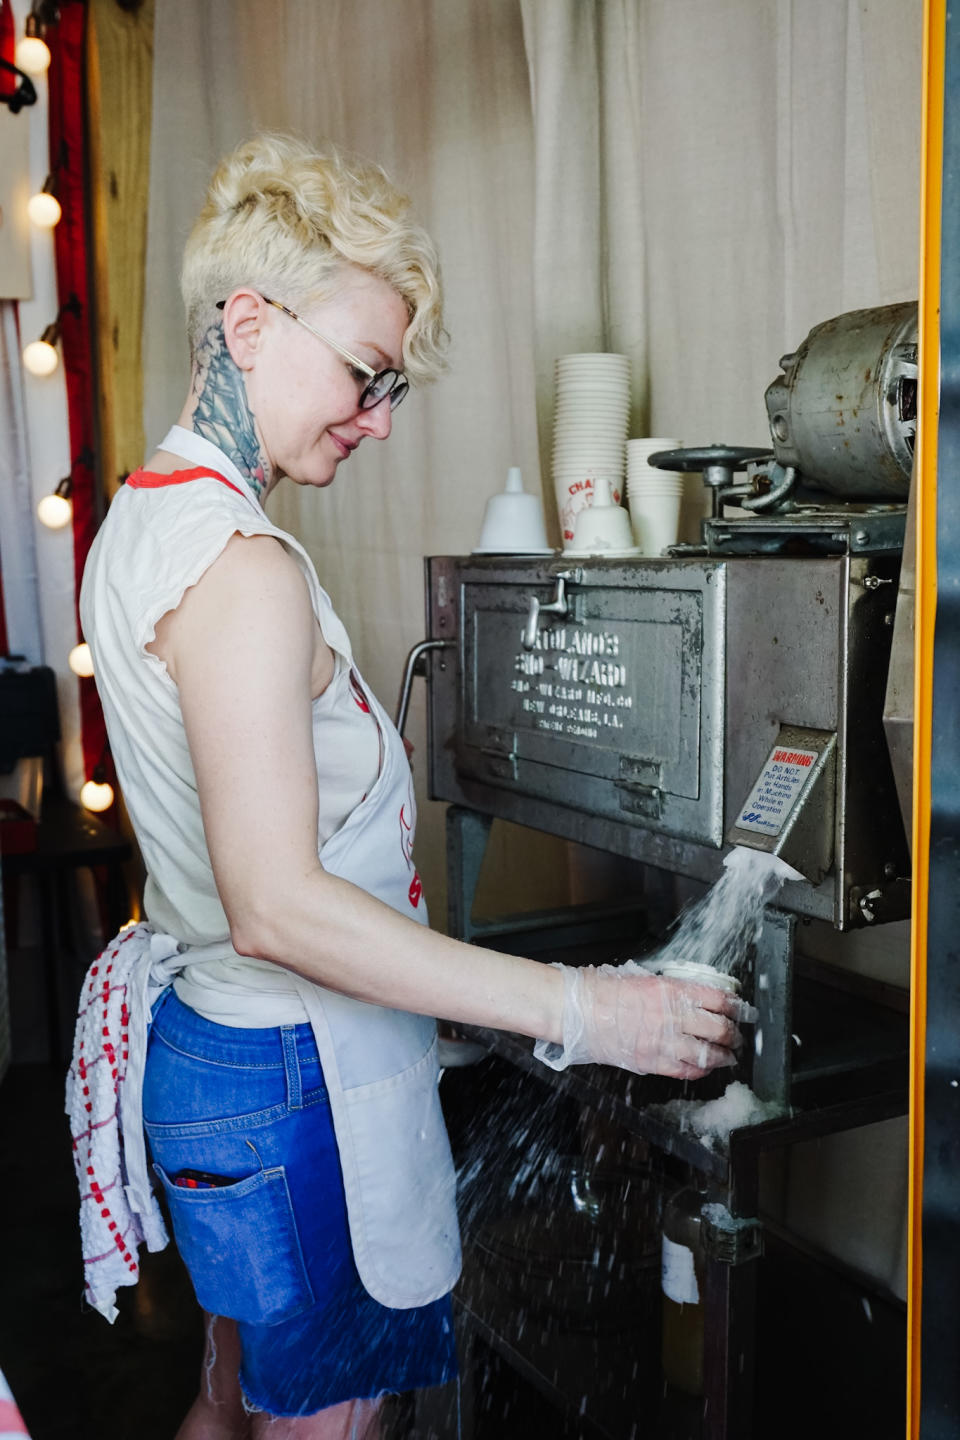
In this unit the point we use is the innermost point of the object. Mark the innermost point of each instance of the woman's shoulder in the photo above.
(178, 515)
(260, 556)
(159, 541)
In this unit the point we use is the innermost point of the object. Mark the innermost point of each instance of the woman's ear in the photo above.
(243, 317)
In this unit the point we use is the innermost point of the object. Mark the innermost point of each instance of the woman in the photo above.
(289, 1092)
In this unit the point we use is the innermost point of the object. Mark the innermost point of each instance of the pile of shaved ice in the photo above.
(712, 1120)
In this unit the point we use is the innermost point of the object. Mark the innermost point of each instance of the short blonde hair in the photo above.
(283, 217)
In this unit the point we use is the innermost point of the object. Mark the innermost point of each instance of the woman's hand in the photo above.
(645, 1023)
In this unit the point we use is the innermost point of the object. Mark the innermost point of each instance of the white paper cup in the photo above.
(603, 527)
(655, 520)
(638, 495)
(574, 492)
(645, 445)
(592, 360)
(662, 480)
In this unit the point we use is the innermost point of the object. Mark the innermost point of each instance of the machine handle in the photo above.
(730, 458)
(557, 606)
(415, 666)
(718, 463)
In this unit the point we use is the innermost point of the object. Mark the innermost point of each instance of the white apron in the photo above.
(380, 1065)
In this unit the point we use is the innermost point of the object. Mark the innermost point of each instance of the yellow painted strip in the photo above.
(934, 32)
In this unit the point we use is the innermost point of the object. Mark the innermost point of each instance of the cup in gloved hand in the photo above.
(645, 1023)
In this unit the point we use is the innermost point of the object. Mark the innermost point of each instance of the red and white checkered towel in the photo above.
(11, 1421)
(118, 1210)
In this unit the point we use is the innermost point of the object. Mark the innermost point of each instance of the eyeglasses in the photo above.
(380, 385)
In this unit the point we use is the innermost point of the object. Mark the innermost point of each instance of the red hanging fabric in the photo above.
(8, 45)
(8, 84)
(68, 161)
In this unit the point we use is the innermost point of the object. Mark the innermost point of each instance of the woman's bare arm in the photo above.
(242, 649)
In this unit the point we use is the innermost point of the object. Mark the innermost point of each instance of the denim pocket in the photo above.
(240, 1245)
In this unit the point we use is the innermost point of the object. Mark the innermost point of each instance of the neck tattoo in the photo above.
(223, 415)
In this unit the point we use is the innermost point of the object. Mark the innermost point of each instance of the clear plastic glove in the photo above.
(644, 1023)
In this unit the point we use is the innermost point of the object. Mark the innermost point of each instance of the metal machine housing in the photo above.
(640, 717)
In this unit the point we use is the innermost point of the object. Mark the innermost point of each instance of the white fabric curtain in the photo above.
(589, 271)
(712, 179)
(18, 552)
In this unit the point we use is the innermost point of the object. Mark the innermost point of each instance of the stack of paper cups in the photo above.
(654, 497)
(590, 425)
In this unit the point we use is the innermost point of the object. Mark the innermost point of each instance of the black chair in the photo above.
(68, 838)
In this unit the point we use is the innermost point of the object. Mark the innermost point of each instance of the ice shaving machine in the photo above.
(729, 692)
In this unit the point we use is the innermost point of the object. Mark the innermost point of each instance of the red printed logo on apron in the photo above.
(357, 693)
(406, 835)
(415, 891)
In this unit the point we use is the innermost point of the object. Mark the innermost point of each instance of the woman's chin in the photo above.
(317, 479)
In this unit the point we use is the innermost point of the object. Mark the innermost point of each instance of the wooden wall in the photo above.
(120, 86)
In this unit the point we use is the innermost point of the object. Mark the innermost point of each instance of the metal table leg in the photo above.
(732, 1247)
(773, 997)
(467, 836)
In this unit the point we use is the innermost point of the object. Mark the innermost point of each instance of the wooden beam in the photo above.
(120, 85)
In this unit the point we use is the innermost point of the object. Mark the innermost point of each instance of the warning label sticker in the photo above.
(780, 782)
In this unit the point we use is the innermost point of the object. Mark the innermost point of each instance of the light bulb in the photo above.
(96, 797)
(44, 210)
(33, 55)
(40, 357)
(80, 660)
(55, 511)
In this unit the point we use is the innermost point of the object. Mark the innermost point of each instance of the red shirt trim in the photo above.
(152, 480)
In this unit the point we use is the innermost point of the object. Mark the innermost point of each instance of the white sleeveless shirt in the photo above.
(380, 1065)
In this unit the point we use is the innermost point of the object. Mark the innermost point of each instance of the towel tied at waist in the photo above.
(381, 1072)
(104, 1101)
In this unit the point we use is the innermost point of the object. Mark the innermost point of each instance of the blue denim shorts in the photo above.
(271, 1247)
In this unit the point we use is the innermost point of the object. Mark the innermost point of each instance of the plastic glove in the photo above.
(644, 1023)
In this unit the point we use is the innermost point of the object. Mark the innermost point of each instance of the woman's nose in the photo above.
(377, 421)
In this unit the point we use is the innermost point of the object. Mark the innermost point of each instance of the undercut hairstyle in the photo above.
(284, 218)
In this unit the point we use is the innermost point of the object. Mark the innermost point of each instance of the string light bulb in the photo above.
(44, 208)
(80, 660)
(56, 510)
(33, 56)
(96, 795)
(40, 356)
(33, 53)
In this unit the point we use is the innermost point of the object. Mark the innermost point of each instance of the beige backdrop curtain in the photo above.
(693, 182)
(714, 177)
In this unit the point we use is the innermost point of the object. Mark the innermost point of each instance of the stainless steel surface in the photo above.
(617, 709)
(639, 722)
(814, 530)
(773, 996)
(412, 667)
(844, 410)
(898, 703)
